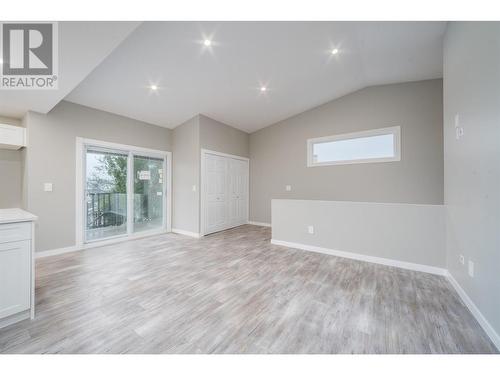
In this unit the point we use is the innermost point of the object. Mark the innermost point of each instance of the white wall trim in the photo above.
(186, 233)
(364, 258)
(394, 130)
(260, 224)
(92, 245)
(206, 151)
(62, 250)
(12, 319)
(488, 328)
(79, 191)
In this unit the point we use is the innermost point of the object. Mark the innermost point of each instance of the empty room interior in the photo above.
(250, 187)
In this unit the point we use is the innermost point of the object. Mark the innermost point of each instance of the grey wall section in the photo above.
(50, 157)
(11, 176)
(188, 140)
(216, 136)
(10, 172)
(472, 163)
(403, 232)
(278, 152)
(186, 174)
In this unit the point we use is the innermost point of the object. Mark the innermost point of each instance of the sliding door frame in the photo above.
(203, 189)
(131, 151)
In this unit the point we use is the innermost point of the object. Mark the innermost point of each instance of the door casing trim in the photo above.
(80, 166)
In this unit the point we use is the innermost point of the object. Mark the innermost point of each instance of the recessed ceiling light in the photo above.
(207, 42)
(153, 87)
(335, 51)
(263, 88)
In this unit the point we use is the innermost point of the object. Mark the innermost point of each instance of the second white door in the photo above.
(226, 192)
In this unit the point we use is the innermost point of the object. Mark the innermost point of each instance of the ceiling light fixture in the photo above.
(263, 88)
(335, 51)
(153, 87)
(207, 42)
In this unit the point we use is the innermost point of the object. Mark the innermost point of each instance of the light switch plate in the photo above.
(193, 188)
(310, 229)
(471, 268)
(47, 186)
(461, 258)
(288, 187)
(459, 131)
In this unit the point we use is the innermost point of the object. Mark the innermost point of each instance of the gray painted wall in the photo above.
(278, 152)
(186, 174)
(11, 176)
(216, 136)
(472, 163)
(405, 232)
(10, 172)
(50, 157)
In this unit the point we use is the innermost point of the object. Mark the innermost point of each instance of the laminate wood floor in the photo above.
(234, 292)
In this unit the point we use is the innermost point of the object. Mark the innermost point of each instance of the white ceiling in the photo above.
(82, 46)
(293, 59)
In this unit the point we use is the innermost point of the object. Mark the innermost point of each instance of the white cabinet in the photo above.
(16, 266)
(225, 191)
(12, 137)
(15, 277)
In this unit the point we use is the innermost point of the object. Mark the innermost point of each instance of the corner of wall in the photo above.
(24, 165)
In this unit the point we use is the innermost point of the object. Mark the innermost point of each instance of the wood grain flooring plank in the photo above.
(235, 292)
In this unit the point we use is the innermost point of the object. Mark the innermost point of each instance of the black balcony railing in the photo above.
(110, 209)
(106, 209)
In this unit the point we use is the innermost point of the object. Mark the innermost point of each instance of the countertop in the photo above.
(15, 215)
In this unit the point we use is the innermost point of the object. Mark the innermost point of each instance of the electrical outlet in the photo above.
(310, 229)
(288, 188)
(461, 258)
(471, 268)
(193, 188)
(47, 186)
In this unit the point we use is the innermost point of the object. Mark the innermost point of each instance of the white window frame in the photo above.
(81, 145)
(394, 130)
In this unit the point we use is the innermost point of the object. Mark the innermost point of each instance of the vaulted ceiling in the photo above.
(224, 80)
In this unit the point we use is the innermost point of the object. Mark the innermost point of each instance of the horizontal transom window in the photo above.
(371, 146)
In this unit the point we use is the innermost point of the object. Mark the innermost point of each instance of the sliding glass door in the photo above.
(148, 193)
(106, 194)
(124, 191)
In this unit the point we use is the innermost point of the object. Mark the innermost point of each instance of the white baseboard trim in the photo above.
(91, 245)
(261, 224)
(364, 258)
(62, 250)
(7, 321)
(490, 331)
(186, 233)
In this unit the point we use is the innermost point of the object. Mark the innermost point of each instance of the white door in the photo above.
(225, 199)
(216, 187)
(233, 185)
(238, 173)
